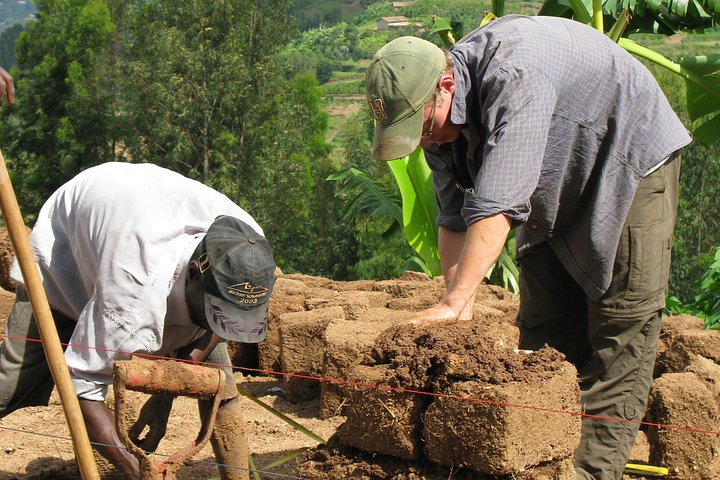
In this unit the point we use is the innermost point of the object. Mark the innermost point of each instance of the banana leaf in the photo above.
(701, 101)
(370, 196)
(419, 209)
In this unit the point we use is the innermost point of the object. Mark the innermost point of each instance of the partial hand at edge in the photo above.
(7, 87)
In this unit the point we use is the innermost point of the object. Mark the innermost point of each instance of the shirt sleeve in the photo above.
(516, 108)
(448, 194)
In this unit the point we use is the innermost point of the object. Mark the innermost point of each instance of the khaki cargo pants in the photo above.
(612, 342)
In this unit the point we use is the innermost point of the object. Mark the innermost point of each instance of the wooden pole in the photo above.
(46, 326)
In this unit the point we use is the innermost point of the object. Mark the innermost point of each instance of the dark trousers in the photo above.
(612, 342)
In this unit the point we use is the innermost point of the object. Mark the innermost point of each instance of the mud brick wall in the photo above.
(686, 394)
(301, 350)
(380, 420)
(675, 399)
(364, 345)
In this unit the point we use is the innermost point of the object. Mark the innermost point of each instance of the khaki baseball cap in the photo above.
(400, 79)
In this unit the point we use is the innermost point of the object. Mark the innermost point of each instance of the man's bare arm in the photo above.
(7, 87)
(482, 244)
(100, 425)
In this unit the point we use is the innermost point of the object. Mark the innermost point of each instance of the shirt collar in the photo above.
(458, 113)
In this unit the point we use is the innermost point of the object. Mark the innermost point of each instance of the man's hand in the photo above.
(154, 415)
(7, 87)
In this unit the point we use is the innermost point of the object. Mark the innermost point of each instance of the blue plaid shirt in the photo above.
(559, 126)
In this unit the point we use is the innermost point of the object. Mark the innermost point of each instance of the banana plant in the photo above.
(411, 210)
(414, 180)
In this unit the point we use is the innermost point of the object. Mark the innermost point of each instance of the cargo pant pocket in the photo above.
(649, 265)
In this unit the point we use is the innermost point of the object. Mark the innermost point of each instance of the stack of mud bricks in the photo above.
(337, 324)
(684, 409)
(325, 330)
(469, 422)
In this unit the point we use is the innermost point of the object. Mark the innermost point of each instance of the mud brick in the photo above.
(309, 280)
(683, 400)
(493, 436)
(412, 288)
(301, 349)
(675, 324)
(667, 359)
(284, 299)
(705, 343)
(707, 371)
(674, 355)
(353, 302)
(346, 342)
(380, 420)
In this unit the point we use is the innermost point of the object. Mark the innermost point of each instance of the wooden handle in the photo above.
(46, 326)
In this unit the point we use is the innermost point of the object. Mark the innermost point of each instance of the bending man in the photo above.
(137, 259)
(546, 125)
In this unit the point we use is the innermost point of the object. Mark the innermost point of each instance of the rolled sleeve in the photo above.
(477, 207)
(89, 390)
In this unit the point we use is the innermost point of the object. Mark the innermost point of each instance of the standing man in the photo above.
(546, 125)
(134, 259)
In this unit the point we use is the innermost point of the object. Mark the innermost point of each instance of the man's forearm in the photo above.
(100, 424)
(482, 244)
(450, 245)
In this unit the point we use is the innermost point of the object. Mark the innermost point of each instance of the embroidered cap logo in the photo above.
(378, 108)
(247, 290)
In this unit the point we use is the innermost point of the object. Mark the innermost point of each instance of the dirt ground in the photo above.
(35, 442)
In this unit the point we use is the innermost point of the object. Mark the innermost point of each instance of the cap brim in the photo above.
(236, 324)
(398, 140)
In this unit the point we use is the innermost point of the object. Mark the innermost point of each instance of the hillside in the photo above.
(13, 12)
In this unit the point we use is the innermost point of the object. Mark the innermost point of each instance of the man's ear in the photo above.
(447, 82)
(194, 270)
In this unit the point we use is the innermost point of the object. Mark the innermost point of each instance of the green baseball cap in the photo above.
(400, 79)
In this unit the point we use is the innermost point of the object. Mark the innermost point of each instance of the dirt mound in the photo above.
(482, 349)
(336, 461)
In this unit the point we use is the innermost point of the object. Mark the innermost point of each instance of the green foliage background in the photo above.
(263, 101)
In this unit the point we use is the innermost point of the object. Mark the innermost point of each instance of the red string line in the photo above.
(386, 388)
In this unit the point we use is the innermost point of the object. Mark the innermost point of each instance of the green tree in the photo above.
(288, 192)
(7, 46)
(206, 96)
(63, 120)
(198, 79)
